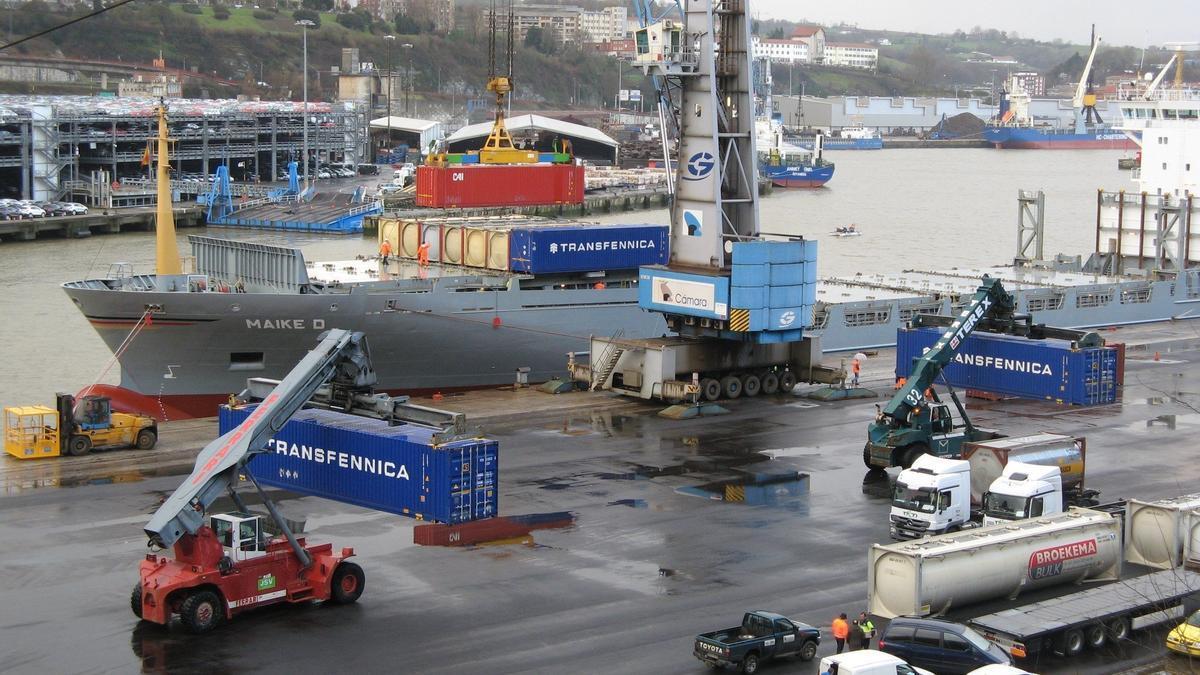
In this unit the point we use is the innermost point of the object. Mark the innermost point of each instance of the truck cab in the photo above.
(931, 497)
(1023, 491)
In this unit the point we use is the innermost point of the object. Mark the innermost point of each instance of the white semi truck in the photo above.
(998, 480)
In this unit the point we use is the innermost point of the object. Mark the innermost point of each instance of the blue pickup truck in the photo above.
(761, 637)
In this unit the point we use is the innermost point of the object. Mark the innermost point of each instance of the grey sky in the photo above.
(1119, 23)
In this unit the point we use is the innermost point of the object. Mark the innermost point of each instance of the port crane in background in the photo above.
(1084, 101)
(737, 302)
(228, 564)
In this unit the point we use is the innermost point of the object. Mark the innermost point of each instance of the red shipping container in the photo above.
(471, 185)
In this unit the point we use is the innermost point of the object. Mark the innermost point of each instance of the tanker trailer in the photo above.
(1160, 533)
(1068, 453)
(932, 575)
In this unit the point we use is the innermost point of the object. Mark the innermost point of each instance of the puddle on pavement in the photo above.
(605, 424)
(756, 489)
(1168, 422)
(48, 474)
(877, 484)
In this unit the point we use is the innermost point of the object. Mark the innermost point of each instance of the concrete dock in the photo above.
(98, 221)
(655, 555)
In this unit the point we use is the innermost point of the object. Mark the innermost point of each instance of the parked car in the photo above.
(10, 213)
(31, 211)
(324, 174)
(1185, 638)
(75, 208)
(868, 662)
(51, 208)
(944, 647)
(762, 636)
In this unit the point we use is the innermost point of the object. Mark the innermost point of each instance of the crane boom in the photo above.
(1081, 89)
(990, 301)
(341, 359)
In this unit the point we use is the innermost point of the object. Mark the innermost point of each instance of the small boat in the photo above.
(850, 231)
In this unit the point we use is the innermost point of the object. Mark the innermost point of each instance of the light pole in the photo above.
(304, 24)
(408, 80)
(389, 39)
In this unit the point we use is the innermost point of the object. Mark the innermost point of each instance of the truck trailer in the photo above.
(1092, 618)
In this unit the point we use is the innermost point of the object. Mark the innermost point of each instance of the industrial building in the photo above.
(52, 144)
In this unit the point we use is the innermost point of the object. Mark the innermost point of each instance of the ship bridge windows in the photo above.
(1093, 299)
(1135, 296)
(868, 317)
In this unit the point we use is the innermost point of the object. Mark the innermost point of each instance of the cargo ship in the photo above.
(792, 166)
(849, 138)
(1046, 138)
(484, 313)
(1015, 127)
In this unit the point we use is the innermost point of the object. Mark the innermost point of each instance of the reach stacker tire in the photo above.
(146, 439)
(135, 600)
(201, 612)
(347, 582)
(79, 446)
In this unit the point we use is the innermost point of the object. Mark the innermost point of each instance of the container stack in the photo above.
(1051, 370)
(528, 245)
(365, 462)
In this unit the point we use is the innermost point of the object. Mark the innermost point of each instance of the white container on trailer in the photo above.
(1158, 533)
(932, 574)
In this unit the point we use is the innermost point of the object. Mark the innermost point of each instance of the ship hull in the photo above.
(1022, 138)
(804, 176)
(203, 346)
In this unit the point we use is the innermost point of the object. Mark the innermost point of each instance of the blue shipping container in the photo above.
(1034, 369)
(587, 248)
(365, 462)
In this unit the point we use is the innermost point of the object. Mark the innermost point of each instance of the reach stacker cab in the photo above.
(74, 428)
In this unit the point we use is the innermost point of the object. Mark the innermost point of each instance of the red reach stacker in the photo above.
(228, 564)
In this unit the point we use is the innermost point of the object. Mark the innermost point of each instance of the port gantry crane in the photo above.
(737, 303)
(228, 564)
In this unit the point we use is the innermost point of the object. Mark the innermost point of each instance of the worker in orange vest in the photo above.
(841, 630)
(855, 370)
(385, 251)
(423, 254)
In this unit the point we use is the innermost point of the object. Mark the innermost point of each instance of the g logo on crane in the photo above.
(699, 166)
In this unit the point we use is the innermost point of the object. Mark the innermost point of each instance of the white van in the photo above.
(867, 662)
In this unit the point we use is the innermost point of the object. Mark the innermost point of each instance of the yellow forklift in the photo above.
(70, 429)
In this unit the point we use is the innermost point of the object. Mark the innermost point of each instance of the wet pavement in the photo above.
(679, 527)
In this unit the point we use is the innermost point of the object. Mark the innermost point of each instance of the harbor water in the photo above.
(917, 209)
